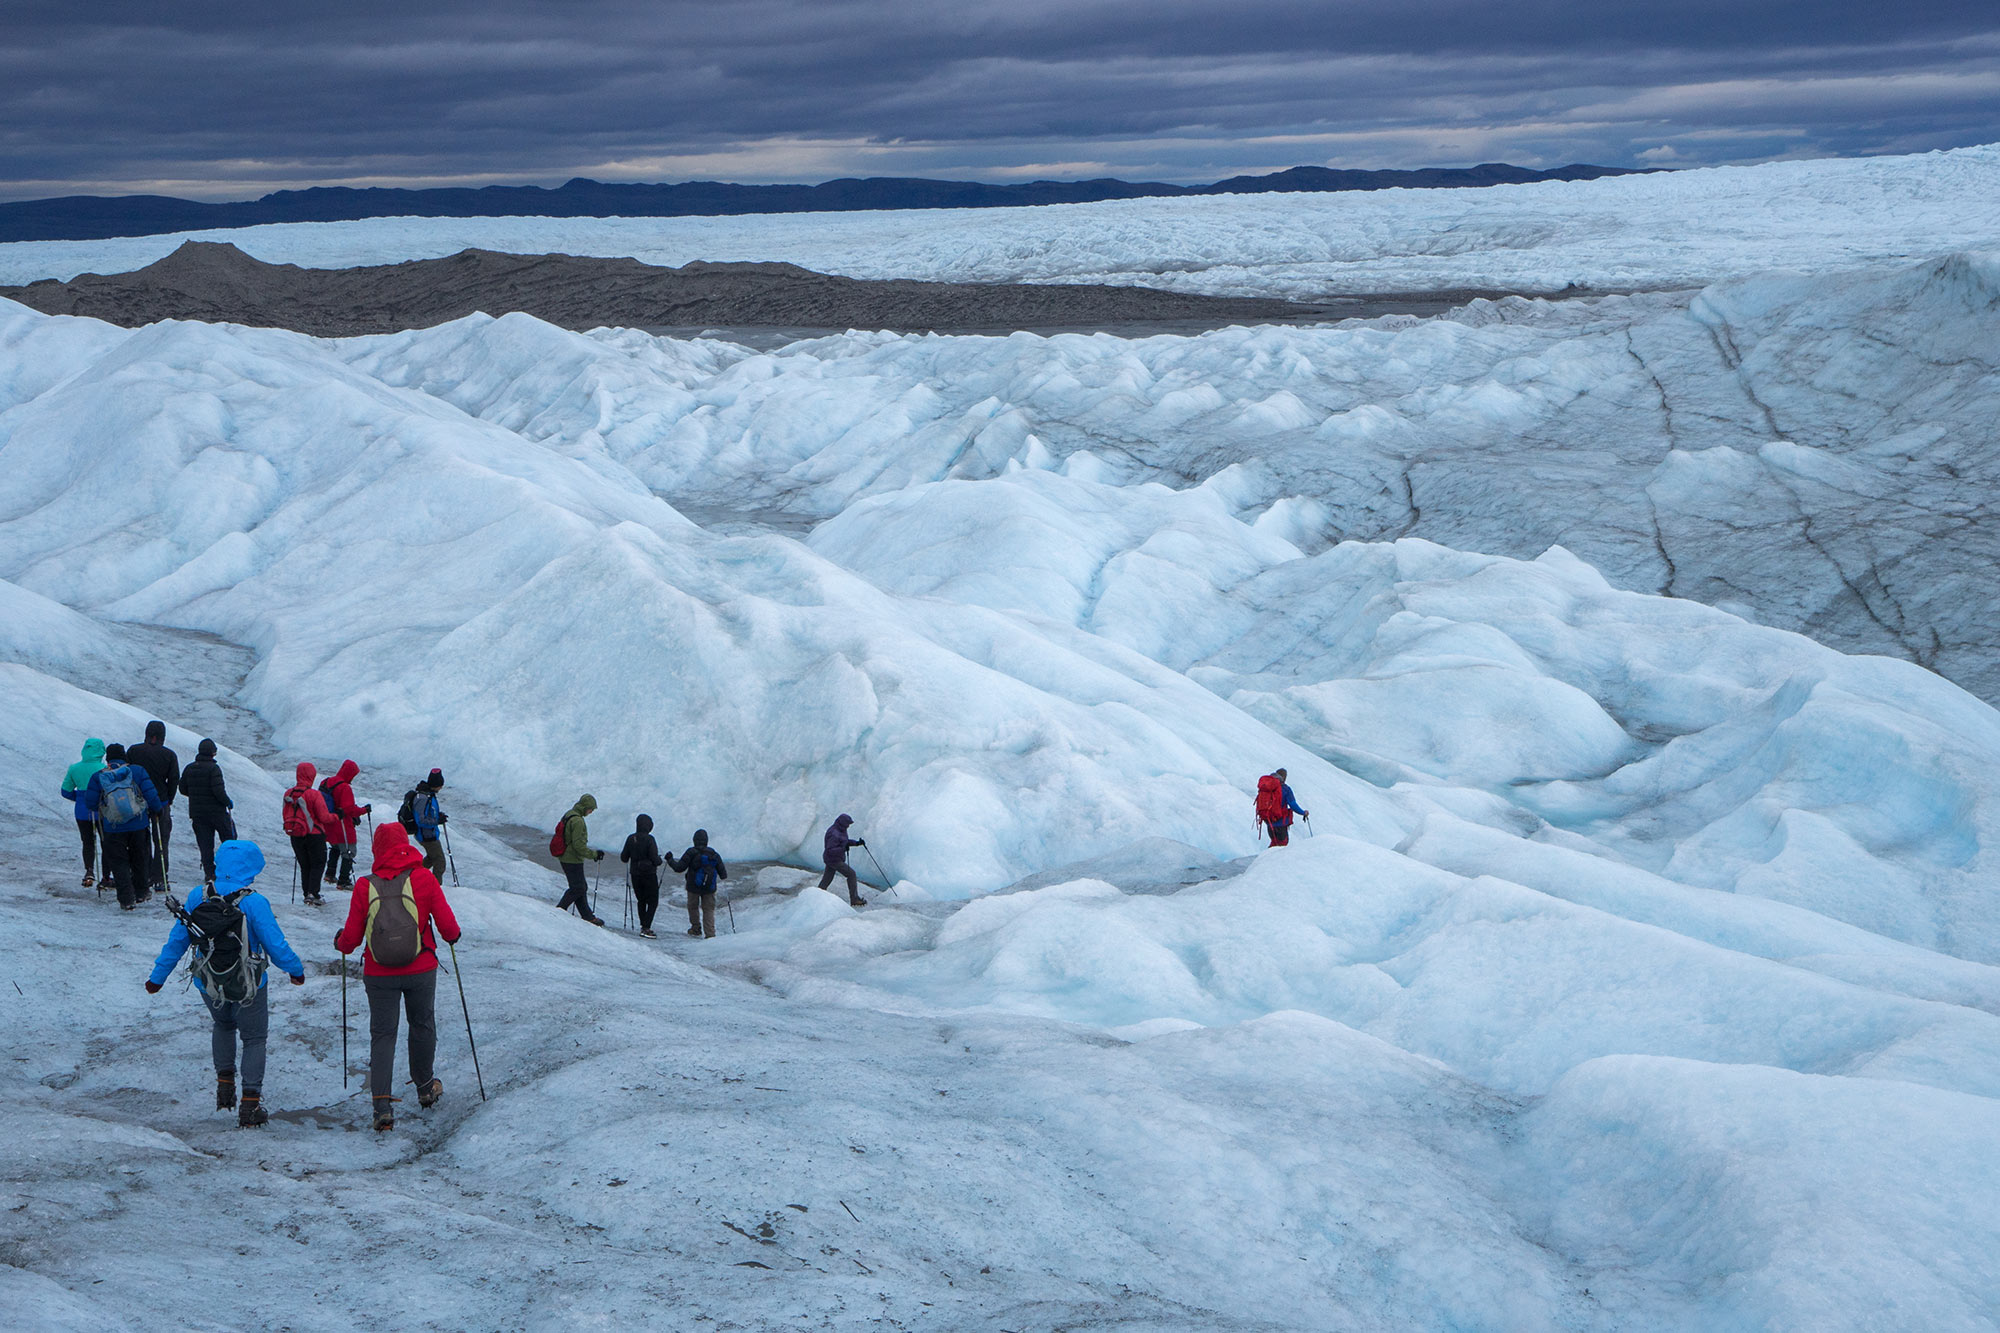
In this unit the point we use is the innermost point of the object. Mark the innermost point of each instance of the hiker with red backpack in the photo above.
(571, 848)
(308, 823)
(1275, 807)
(234, 934)
(122, 797)
(391, 916)
(338, 793)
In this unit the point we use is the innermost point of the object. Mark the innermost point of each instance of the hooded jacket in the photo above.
(237, 863)
(93, 796)
(201, 782)
(576, 834)
(319, 819)
(338, 792)
(79, 775)
(160, 763)
(395, 857)
(642, 853)
(688, 863)
(837, 841)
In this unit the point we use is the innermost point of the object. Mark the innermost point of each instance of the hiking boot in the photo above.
(709, 936)
(695, 931)
(428, 1093)
(597, 921)
(647, 935)
(251, 1113)
(314, 900)
(857, 902)
(89, 880)
(329, 877)
(385, 1113)
(225, 1092)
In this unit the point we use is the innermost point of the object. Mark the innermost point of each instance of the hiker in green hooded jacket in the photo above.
(577, 850)
(75, 783)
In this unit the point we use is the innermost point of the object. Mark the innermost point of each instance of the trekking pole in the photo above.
(878, 869)
(459, 977)
(446, 830)
(295, 882)
(1309, 826)
(730, 903)
(343, 1022)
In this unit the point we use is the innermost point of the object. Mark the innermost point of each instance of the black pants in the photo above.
(310, 849)
(840, 868)
(206, 831)
(646, 892)
(128, 861)
(579, 892)
(340, 863)
(86, 829)
(414, 993)
(163, 832)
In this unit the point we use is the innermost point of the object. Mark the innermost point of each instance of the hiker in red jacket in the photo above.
(308, 823)
(1275, 807)
(391, 915)
(339, 793)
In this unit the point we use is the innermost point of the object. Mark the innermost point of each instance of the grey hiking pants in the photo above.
(388, 998)
(250, 1020)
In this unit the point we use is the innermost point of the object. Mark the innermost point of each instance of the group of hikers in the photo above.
(123, 798)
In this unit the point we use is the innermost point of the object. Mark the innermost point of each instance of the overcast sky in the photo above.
(220, 99)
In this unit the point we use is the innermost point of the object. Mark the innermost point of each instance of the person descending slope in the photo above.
(1275, 807)
(163, 766)
(338, 793)
(702, 865)
(208, 806)
(234, 935)
(642, 853)
(571, 846)
(423, 820)
(75, 781)
(391, 915)
(122, 795)
(307, 823)
(835, 857)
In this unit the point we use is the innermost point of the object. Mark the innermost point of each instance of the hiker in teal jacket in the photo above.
(237, 865)
(75, 781)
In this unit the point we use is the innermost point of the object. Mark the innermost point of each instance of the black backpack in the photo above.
(407, 816)
(220, 934)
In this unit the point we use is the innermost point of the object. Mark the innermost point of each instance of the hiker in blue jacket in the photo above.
(124, 800)
(237, 864)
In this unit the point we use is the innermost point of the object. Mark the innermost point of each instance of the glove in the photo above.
(299, 980)
(861, 842)
(600, 856)
(368, 809)
(444, 818)
(152, 988)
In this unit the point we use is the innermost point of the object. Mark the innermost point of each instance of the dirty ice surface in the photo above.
(1638, 971)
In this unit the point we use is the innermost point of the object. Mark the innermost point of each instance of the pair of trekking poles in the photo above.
(463, 1008)
(631, 907)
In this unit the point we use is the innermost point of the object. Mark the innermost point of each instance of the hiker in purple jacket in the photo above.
(837, 843)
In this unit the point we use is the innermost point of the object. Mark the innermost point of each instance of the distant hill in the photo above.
(94, 217)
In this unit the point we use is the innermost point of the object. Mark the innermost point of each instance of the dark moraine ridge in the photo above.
(219, 283)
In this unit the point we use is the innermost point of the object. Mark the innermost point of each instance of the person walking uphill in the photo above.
(835, 856)
(309, 824)
(425, 821)
(209, 806)
(163, 766)
(642, 853)
(702, 865)
(75, 780)
(123, 798)
(234, 934)
(571, 846)
(1275, 807)
(338, 793)
(391, 916)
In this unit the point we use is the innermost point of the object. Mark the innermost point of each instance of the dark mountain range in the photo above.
(93, 217)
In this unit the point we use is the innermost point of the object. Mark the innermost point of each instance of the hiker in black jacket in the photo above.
(163, 766)
(704, 869)
(642, 854)
(208, 806)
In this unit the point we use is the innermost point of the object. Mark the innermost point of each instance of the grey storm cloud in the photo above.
(221, 97)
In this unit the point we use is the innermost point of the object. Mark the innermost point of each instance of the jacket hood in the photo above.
(393, 853)
(236, 864)
(585, 804)
(347, 771)
(206, 750)
(701, 837)
(842, 822)
(306, 773)
(93, 751)
(645, 823)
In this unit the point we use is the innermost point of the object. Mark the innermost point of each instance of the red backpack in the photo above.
(299, 821)
(1271, 800)
(559, 842)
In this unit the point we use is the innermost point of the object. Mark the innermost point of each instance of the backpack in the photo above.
(119, 801)
(326, 787)
(394, 931)
(223, 963)
(1271, 800)
(559, 840)
(407, 816)
(704, 870)
(299, 821)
